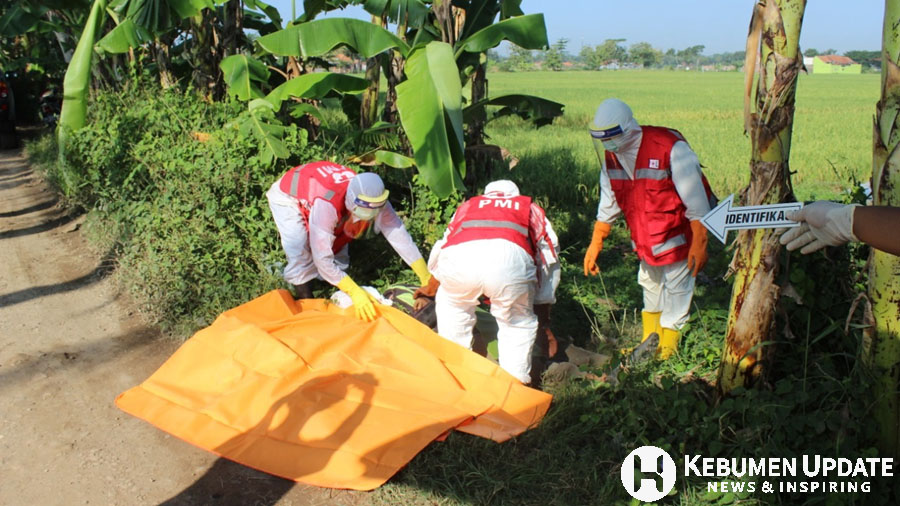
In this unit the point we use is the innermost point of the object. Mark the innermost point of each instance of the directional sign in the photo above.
(724, 217)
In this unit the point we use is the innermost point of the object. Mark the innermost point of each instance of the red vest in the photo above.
(327, 181)
(660, 231)
(493, 218)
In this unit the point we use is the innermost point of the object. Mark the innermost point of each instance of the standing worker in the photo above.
(500, 245)
(653, 177)
(319, 208)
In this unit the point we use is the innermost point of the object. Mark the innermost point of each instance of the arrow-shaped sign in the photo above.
(724, 217)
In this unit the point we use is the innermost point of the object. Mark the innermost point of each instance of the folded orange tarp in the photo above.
(304, 390)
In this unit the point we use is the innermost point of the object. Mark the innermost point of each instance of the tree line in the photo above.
(615, 54)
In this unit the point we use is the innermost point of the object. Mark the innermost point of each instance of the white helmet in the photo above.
(366, 195)
(502, 188)
(614, 126)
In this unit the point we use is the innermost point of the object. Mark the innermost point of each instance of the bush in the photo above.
(187, 210)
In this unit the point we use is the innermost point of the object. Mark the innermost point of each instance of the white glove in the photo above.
(824, 224)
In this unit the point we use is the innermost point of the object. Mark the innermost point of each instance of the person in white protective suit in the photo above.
(319, 208)
(824, 223)
(501, 245)
(652, 176)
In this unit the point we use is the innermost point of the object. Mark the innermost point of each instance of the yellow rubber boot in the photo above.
(668, 343)
(650, 323)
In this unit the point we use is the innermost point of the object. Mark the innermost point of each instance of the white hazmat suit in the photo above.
(503, 271)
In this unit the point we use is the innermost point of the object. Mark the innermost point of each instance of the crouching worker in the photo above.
(653, 177)
(319, 208)
(500, 245)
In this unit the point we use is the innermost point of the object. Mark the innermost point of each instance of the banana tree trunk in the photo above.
(368, 113)
(755, 264)
(475, 128)
(882, 338)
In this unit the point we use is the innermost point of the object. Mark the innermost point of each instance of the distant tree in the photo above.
(644, 54)
(520, 59)
(691, 55)
(830, 51)
(588, 56)
(868, 59)
(611, 51)
(670, 58)
(554, 56)
(811, 52)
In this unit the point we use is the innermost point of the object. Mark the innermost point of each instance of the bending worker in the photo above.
(653, 177)
(319, 208)
(501, 245)
(826, 223)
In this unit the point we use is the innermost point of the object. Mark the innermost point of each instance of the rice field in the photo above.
(832, 136)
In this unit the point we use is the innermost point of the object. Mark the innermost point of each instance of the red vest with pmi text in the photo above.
(660, 231)
(327, 181)
(493, 218)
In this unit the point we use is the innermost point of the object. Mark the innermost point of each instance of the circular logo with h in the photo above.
(648, 473)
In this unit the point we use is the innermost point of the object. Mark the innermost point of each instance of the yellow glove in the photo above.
(697, 255)
(601, 231)
(421, 270)
(362, 301)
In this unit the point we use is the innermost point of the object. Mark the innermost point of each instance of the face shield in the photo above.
(366, 196)
(614, 128)
(367, 208)
(607, 139)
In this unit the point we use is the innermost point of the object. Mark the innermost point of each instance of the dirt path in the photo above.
(68, 345)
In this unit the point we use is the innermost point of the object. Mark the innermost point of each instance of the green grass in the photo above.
(832, 137)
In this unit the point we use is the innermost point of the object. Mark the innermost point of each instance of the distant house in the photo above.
(834, 64)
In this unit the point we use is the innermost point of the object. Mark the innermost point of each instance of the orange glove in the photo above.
(697, 254)
(601, 231)
(428, 290)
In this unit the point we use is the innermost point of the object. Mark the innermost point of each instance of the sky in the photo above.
(719, 25)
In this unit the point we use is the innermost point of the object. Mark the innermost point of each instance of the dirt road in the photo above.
(68, 345)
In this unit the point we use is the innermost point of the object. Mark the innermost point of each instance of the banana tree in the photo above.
(429, 101)
(774, 35)
(882, 339)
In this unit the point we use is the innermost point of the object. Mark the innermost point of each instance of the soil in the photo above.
(69, 344)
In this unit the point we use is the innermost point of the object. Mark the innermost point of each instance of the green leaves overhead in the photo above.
(528, 32)
(157, 16)
(241, 72)
(430, 107)
(316, 38)
(17, 20)
(316, 85)
(538, 110)
(409, 12)
(124, 36)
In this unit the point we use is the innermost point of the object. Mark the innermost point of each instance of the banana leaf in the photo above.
(316, 38)
(316, 85)
(126, 35)
(410, 12)
(262, 124)
(539, 111)
(240, 72)
(78, 76)
(430, 107)
(528, 32)
(18, 20)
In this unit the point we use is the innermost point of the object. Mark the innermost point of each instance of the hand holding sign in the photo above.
(724, 217)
